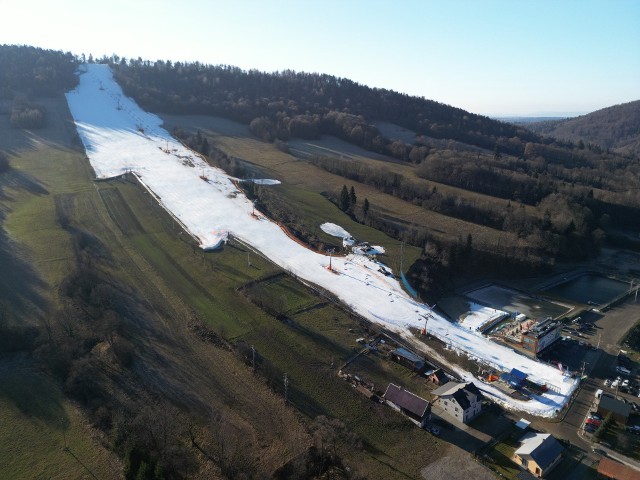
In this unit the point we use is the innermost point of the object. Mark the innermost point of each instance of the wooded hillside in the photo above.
(576, 190)
(615, 128)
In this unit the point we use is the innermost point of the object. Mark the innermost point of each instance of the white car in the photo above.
(625, 383)
(607, 382)
(615, 383)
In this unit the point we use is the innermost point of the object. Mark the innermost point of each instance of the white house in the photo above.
(462, 401)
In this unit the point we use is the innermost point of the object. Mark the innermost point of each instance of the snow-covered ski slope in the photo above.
(119, 137)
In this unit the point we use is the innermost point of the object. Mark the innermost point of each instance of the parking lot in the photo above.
(572, 353)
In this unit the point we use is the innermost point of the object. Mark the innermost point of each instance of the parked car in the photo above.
(615, 383)
(607, 382)
(625, 383)
(599, 451)
(623, 370)
(595, 415)
(594, 422)
(435, 431)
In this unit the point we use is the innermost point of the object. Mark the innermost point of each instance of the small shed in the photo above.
(518, 375)
(408, 359)
(437, 376)
(515, 378)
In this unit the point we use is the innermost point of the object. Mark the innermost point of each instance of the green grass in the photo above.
(316, 338)
(301, 174)
(36, 421)
(501, 453)
(35, 417)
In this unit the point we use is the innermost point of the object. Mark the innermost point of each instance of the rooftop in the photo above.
(613, 405)
(464, 393)
(406, 400)
(541, 447)
(542, 327)
(612, 469)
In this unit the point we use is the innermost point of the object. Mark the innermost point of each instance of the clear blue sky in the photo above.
(500, 57)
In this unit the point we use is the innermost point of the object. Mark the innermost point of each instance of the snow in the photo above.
(348, 241)
(266, 181)
(334, 230)
(478, 315)
(368, 250)
(119, 137)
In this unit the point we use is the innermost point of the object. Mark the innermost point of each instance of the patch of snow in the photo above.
(265, 181)
(334, 230)
(479, 315)
(368, 250)
(119, 138)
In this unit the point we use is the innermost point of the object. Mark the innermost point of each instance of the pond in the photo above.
(589, 289)
(514, 301)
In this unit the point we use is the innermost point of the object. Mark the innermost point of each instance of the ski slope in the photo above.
(119, 137)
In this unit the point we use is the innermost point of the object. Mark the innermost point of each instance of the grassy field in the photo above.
(35, 417)
(175, 283)
(309, 346)
(295, 171)
(37, 423)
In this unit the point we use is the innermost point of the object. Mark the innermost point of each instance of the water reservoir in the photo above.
(589, 289)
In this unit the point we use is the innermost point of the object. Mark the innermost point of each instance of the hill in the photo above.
(507, 198)
(150, 358)
(615, 128)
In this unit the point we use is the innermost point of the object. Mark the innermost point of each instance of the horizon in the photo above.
(494, 58)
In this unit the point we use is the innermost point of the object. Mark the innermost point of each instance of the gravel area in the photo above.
(460, 466)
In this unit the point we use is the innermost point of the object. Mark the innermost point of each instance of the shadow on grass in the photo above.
(20, 284)
(30, 392)
(19, 281)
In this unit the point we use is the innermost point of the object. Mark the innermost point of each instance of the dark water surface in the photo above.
(589, 288)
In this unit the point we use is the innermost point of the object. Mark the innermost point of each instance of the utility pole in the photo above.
(286, 389)
(253, 358)
(64, 436)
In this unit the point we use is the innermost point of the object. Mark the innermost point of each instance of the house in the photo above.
(417, 409)
(538, 453)
(612, 470)
(618, 409)
(408, 359)
(462, 401)
(437, 376)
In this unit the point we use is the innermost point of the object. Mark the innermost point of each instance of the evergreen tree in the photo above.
(352, 196)
(204, 147)
(344, 201)
(365, 207)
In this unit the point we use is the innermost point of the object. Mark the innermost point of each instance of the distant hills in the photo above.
(615, 128)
